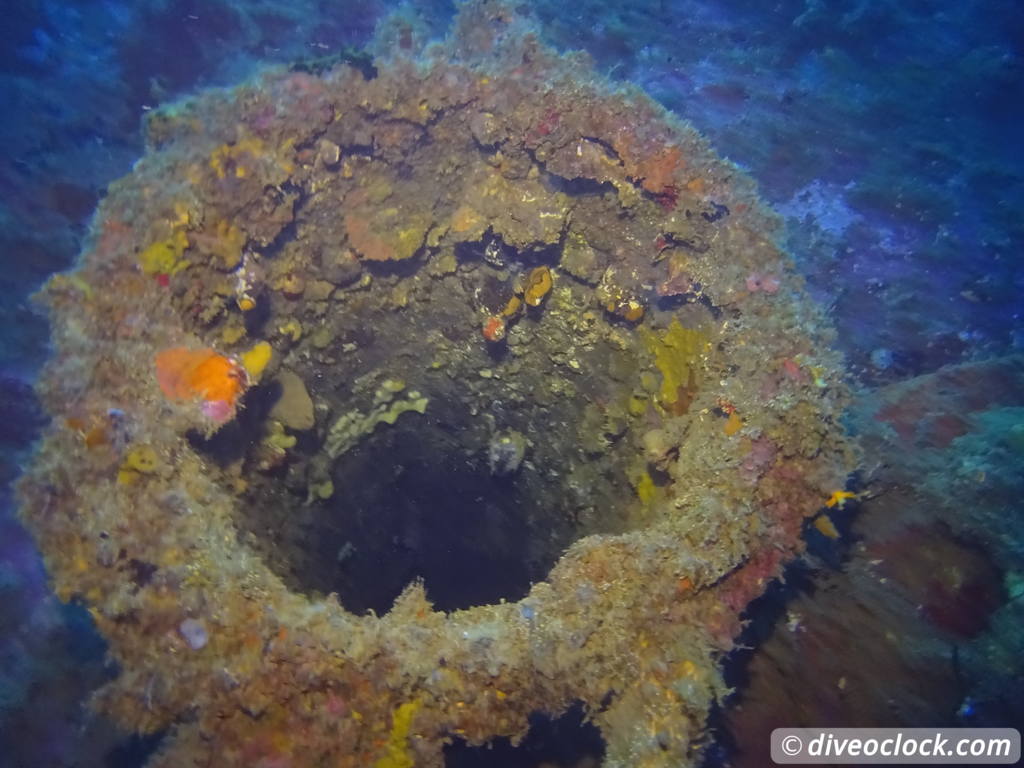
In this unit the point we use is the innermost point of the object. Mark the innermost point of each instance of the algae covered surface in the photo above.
(394, 404)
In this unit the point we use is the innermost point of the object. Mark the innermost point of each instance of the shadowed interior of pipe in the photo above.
(423, 498)
(416, 503)
(511, 459)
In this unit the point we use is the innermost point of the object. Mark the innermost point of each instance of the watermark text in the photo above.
(903, 746)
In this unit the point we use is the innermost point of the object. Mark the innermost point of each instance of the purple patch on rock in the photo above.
(194, 633)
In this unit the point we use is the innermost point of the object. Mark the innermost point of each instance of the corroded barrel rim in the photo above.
(210, 642)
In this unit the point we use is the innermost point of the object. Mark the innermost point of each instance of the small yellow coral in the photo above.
(637, 404)
(734, 424)
(164, 257)
(678, 353)
(291, 328)
(277, 438)
(322, 491)
(291, 285)
(397, 754)
(823, 523)
(285, 152)
(839, 499)
(69, 281)
(538, 285)
(127, 476)
(256, 359)
(819, 372)
(225, 158)
(645, 488)
(515, 304)
(141, 460)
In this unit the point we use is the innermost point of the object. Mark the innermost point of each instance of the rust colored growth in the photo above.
(93, 432)
(370, 246)
(494, 328)
(549, 122)
(667, 197)
(405, 234)
(199, 374)
(824, 661)
(914, 418)
(685, 395)
(935, 409)
(733, 424)
(679, 281)
(875, 620)
(630, 310)
(956, 586)
(748, 581)
(658, 174)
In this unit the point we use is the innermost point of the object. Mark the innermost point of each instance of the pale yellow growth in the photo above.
(226, 158)
(396, 751)
(678, 353)
(256, 359)
(165, 257)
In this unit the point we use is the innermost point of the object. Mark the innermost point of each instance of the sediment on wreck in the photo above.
(391, 406)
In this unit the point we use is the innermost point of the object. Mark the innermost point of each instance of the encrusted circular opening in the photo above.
(442, 455)
(505, 360)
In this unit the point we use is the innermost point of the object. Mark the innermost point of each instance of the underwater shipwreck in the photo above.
(395, 401)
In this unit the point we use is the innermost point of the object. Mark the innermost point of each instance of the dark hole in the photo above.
(257, 317)
(142, 572)
(491, 248)
(580, 186)
(288, 231)
(715, 211)
(419, 499)
(415, 505)
(564, 741)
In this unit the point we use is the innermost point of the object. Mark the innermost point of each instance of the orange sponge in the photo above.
(199, 374)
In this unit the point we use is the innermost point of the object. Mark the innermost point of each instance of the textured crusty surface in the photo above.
(676, 377)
